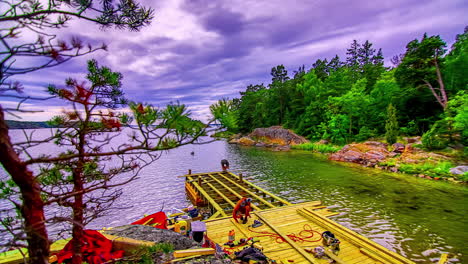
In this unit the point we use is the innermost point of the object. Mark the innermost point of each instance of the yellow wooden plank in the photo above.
(192, 252)
(249, 192)
(443, 258)
(210, 200)
(261, 189)
(287, 239)
(354, 237)
(232, 191)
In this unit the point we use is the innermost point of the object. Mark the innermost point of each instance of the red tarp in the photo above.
(158, 220)
(96, 249)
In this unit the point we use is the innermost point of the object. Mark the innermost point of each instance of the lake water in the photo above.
(417, 218)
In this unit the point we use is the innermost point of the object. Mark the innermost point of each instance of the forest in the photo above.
(352, 100)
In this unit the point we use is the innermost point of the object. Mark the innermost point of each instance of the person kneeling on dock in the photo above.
(242, 209)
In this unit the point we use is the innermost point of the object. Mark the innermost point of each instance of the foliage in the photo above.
(391, 126)
(316, 147)
(441, 169)
(347, 100)
(149, 255)
(39, 50)
(225, 112)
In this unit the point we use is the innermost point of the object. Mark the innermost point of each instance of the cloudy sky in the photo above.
(199, 51)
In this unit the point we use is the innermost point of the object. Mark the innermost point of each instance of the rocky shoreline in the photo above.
(399, 157)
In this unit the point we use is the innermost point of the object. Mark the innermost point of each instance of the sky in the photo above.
(198, 51)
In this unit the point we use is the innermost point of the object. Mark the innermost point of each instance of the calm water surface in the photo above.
(417, 218)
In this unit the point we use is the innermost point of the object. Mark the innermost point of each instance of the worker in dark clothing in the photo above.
(224, 164)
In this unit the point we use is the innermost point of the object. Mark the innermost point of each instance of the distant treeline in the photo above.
(12, 124)
(348, 100)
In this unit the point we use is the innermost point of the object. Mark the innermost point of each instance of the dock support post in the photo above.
(199, 181)
(190, 171)
(240, 177)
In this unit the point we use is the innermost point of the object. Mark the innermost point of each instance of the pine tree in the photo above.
(352, 52)
(391, 126)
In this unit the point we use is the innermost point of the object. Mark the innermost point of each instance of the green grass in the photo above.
(317, 147)
(441, 169)
(145, 255)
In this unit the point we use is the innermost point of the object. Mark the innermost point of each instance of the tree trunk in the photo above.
(77, 231)
(32, 209)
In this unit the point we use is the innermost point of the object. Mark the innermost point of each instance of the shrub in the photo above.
(317, 147)
(434, 138)
(441, 169)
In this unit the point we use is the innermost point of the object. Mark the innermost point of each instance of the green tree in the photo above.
(391, 125)
(225, 112)
(421, 67)
(36, 18)
(455, 65)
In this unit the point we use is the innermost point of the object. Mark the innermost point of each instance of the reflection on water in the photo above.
(417, 218)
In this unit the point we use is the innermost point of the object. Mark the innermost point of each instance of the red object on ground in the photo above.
(158, 220)
(96, 249)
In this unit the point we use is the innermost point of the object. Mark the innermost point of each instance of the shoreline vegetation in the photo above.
(405, 156)
(411, 117)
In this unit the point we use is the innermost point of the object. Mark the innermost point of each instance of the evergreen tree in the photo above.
(334, 64)
(353, 58)
(391, 126)
(279, 74)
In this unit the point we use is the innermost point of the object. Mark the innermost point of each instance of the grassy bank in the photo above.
(316, 147)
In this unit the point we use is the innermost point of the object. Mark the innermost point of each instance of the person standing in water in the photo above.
(224, 164)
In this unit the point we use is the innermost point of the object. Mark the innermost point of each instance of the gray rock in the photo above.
(398, 148)
(279, 134)
(148, 233)
(459, 170)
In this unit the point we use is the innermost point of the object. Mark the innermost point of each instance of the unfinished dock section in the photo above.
(220, 192)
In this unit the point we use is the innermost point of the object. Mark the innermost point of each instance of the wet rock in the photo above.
(459, 170)
(148, 233)
(246, 141)
(261, 144)
(234, 139)
(278, 135)
(398, 148)
(282, 148)
(368, 153)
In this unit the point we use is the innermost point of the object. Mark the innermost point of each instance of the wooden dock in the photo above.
(220, 192)
(286, 233)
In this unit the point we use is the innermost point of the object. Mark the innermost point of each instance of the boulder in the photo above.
(459, 170)
(149, 233)
(277, 135)
(398, 147)
(246, 141)
(368, 153)
(282, 148)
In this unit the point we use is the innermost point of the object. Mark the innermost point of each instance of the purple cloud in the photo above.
(198, 51)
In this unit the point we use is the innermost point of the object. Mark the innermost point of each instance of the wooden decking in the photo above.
(280, 235)
(220, 191)
(288, 222)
